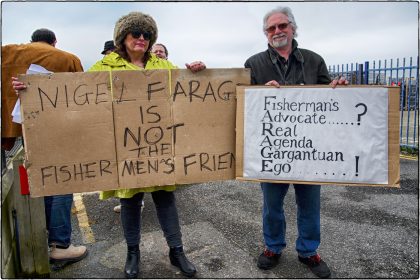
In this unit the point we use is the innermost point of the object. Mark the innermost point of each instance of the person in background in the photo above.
(134, 36)
(160, 50)
(283, 63)
(108, 47)
(16, 59)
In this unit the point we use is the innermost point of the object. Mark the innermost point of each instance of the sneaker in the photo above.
(268, 260)
(61, 257)
(117, 209)
(316, 265)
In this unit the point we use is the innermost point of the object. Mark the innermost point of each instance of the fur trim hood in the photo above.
(131, 22)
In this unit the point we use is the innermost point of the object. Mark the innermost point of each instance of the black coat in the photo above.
(304, 67)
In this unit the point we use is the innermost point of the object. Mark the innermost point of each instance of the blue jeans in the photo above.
(166, 212)
(308, 217)
(58, 218)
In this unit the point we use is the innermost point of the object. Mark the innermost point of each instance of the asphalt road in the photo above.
(367, 232)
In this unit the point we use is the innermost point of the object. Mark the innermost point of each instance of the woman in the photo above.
(134, 36)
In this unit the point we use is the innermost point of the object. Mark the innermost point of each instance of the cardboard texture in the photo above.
(129, 129)
(68, 133)
(142, 115)
(393, 141)
(205, 105)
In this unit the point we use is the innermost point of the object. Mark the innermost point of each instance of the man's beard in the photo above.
(279, 44)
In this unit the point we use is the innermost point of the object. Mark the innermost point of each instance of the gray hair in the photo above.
(281, 10)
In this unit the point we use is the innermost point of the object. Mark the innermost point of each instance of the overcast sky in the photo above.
(225, 34)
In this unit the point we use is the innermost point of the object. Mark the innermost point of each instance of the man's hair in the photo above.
(283, 10)
(43, 35)
(164, 47)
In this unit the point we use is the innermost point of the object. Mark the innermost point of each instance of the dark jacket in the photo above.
(304, 67)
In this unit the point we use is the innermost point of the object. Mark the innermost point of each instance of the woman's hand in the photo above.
(195, 66)
(17, 85)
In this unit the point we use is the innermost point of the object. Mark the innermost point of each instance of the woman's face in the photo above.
(137, 42)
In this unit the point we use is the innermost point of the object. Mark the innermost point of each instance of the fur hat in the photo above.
(135, 21)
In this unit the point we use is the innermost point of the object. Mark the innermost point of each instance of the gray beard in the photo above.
(279, 44)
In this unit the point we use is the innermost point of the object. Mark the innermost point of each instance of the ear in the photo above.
(55, 43)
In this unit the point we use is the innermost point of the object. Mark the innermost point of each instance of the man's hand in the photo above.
(273, 83)
(339, 81)
(17, 85)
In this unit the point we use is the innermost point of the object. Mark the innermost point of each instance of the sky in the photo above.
(225, 34)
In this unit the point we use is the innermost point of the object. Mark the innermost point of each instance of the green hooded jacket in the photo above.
(112, 62)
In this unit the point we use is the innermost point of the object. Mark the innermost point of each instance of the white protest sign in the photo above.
(316, 134)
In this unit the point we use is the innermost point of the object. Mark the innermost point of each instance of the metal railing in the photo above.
(391, 73)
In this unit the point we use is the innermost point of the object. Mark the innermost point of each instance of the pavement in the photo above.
(367, 232)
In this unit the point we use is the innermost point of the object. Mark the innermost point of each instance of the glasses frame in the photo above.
(281, 26)
(136, 34)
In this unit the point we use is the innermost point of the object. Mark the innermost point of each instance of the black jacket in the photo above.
(304, 67)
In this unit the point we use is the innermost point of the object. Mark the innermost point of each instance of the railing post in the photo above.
(359, 79)
(366, 82)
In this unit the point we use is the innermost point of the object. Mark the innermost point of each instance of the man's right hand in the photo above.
(17, 85)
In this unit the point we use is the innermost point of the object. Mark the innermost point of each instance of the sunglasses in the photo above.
(137, 34)
(280, 26)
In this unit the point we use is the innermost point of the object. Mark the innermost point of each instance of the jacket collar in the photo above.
(274, 56)
(114, 60)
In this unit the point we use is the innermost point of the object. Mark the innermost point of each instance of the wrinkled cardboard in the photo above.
(143, 106)
(69, 147)
(133, 104)
(205, 103)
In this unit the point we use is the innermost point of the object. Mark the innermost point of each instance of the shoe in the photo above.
(131, 268)
(268, 260)
(316, 265)
(178, 259)
(60, 257)
(117, 209)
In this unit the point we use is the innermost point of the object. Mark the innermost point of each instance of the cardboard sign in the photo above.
(129, 129)
(68, 133)
(205, 106)
(143, 136)
(318, 134)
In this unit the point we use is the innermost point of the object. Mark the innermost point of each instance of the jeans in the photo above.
(166, 212)
(308, 217)
(58, 218)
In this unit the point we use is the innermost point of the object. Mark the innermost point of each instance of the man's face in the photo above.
(279, 31)
(159, 51)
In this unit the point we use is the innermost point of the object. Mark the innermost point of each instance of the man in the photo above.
(109, 47)
(16, 59)
(160, 50)
(285, 64)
